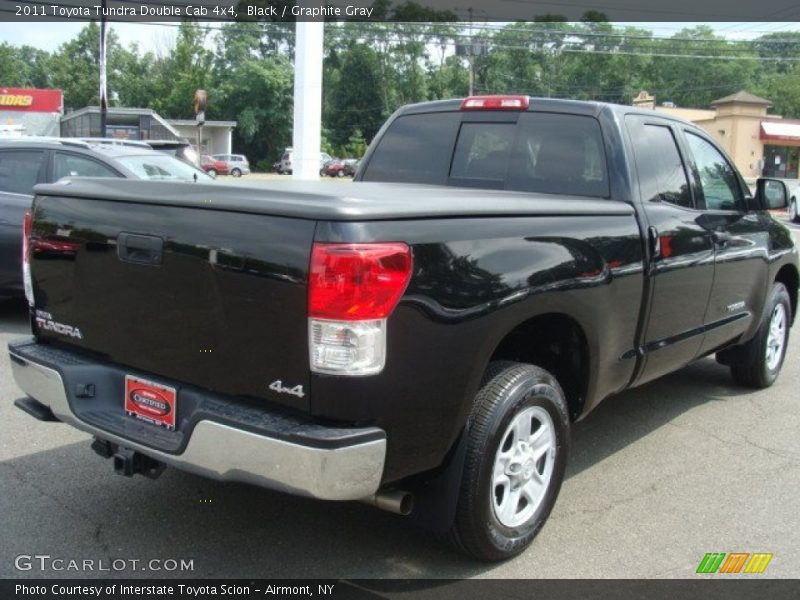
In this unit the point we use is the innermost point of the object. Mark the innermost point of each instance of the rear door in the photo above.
(20, 170)
(681, 270)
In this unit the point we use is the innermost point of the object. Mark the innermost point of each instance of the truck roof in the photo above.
(537, 104)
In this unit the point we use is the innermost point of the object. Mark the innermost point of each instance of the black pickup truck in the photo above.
(421, 339)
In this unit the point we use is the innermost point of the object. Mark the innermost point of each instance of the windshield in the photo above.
(162, 167)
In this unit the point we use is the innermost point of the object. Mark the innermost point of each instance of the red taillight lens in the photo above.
(354, 282)
(26, 234)
(495, 103)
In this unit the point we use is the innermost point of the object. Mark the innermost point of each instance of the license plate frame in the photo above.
(151, 401)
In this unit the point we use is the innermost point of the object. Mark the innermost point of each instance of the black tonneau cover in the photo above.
(330, 201)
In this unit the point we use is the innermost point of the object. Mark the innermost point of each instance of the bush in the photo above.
(264, 165)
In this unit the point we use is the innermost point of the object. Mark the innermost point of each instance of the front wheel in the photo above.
(518, 439)
(212, 172)
(236, 173)
(767, 350)
(793, 216)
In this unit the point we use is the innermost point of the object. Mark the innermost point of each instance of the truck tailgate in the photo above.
(214, 299)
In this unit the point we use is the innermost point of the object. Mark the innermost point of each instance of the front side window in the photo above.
(717, 180)
(19, 170)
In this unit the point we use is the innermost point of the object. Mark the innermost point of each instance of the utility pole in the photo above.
(471, 57)
(103, 86)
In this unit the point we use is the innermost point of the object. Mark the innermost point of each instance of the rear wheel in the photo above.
(793, 216)
(236, 172)
(766, 351)
(516, 456)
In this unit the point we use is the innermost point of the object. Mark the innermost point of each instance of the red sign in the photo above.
(31, 100)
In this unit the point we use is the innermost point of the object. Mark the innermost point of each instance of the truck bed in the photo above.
(336, 201)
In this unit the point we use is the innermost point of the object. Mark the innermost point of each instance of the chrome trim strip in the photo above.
(230, 454)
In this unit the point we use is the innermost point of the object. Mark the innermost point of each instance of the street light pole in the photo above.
(103, 86)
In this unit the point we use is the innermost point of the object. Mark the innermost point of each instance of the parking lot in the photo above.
(658, 477)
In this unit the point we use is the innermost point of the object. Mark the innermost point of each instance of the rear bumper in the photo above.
(320, 462)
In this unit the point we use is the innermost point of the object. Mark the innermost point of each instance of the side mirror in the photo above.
(771, 194)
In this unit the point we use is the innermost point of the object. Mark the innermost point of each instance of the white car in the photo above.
(794, 204)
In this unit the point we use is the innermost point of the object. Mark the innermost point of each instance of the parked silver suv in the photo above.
(238, 164)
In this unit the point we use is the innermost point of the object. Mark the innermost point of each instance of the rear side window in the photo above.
(71, 165)
(19, 170)
(415, 149)
(658, 163)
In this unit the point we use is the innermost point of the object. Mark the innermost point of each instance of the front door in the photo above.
(741, 241)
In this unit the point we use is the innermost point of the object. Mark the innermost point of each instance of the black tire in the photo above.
(794, 211)
(507, 389)
(236, 173)
(754, 371)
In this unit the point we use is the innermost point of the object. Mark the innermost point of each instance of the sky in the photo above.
(157, 37)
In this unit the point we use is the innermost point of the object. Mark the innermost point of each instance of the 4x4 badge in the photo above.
(277, 386)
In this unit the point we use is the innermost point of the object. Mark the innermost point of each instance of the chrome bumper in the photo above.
(229, 454)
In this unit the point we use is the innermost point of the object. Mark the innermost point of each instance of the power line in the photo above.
(491, 42)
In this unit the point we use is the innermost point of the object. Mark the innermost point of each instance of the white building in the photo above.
(217, 135)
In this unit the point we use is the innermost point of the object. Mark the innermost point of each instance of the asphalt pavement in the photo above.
(659, 476)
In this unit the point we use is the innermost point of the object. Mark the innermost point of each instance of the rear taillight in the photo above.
(353, 288)
(26, 257)
(495, 103)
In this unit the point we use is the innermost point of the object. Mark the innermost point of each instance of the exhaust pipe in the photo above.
(393, 501)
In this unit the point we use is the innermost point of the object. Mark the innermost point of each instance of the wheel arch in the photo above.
(788, 276)
(556, 342)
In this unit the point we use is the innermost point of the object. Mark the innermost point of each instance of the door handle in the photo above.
(721, 237)
(140, 249)
(654, 241)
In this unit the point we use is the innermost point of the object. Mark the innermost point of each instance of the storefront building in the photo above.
(30, 111)
(217, 136)
(758, 143)
(121, 123)
(146, 124)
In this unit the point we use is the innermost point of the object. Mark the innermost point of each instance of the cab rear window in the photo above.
(541, 152)
(415, 149)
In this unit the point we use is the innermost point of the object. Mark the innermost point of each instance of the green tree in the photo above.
(186, 70)
(357, 98)
(258, 95)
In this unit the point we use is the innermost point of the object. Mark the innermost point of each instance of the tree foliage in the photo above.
(372, 68)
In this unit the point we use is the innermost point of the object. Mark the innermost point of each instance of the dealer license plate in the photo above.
(151, 401)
